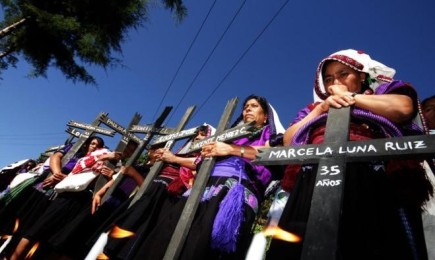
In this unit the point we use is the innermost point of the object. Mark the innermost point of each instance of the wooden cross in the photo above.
(182, 229)
(321, 236)
(82, 139)
(174, 136)
(142, 145)
(126, 137)
(150, 129)
(91, 127)
(225, 136)
(74, 133)
(125, 132)
(156, 168)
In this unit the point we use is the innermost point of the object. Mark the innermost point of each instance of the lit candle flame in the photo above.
(17, 223)
(8, 238)
(259, 242)
(279, 233)
(32, 251)
(118, 232)
(102, 256)
(15, 229)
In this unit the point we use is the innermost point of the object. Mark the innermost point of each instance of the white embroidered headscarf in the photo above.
(359, 61)
(185, 148)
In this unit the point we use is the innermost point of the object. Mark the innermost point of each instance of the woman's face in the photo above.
(252, 111)
(336, 73)
(93, 145)
(429, 113)
(200, 136)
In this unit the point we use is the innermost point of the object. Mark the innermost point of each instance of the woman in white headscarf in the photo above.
(382, 200)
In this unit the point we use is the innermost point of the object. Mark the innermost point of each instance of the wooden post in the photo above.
(126, 137)
(156, 168)
(142, 145)
(182, 229)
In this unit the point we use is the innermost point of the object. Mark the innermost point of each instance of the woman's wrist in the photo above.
(322, 107)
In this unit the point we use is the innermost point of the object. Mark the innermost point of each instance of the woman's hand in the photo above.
(216, 149)
(52, 180)
(339, 97)
(395, 107)
(96, 201)
(107, 171)
(113, 156)
(110, 156)
(98, 196)
(167, 156)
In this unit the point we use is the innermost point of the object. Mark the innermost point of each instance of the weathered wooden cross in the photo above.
(74, 133)
(89, 131)
(169, 141)
(122, 144)
(182, 229)
(90, 127)
(321, 237)
(142, 145)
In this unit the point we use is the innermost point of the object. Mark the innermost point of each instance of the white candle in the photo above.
(5, 243)
(257, 248)
(98, 247)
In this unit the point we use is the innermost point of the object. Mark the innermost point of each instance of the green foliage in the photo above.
(71, 34)
(143, 158)
(262, 218)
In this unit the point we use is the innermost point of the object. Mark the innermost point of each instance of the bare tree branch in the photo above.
(4, 32)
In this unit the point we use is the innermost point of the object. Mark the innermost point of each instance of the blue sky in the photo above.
(264, 51)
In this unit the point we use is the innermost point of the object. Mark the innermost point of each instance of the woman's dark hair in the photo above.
(423, 103)
(202, 128)
(365, 85)
(90, 139)
(325, 64)
(261, 100)
(31, 163)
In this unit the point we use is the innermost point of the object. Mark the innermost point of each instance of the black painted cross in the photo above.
(182, 229)
(225, 136)
(142, 145)
(74, 133)
(89, 131)
(182, 134)
(122, 144)
(127, 133)
(91, 127)
(169, 142)
(321, 237)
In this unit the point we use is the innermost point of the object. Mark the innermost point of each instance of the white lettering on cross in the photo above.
(410, 145)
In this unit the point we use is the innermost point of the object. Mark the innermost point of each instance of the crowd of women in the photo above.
(387, 209)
